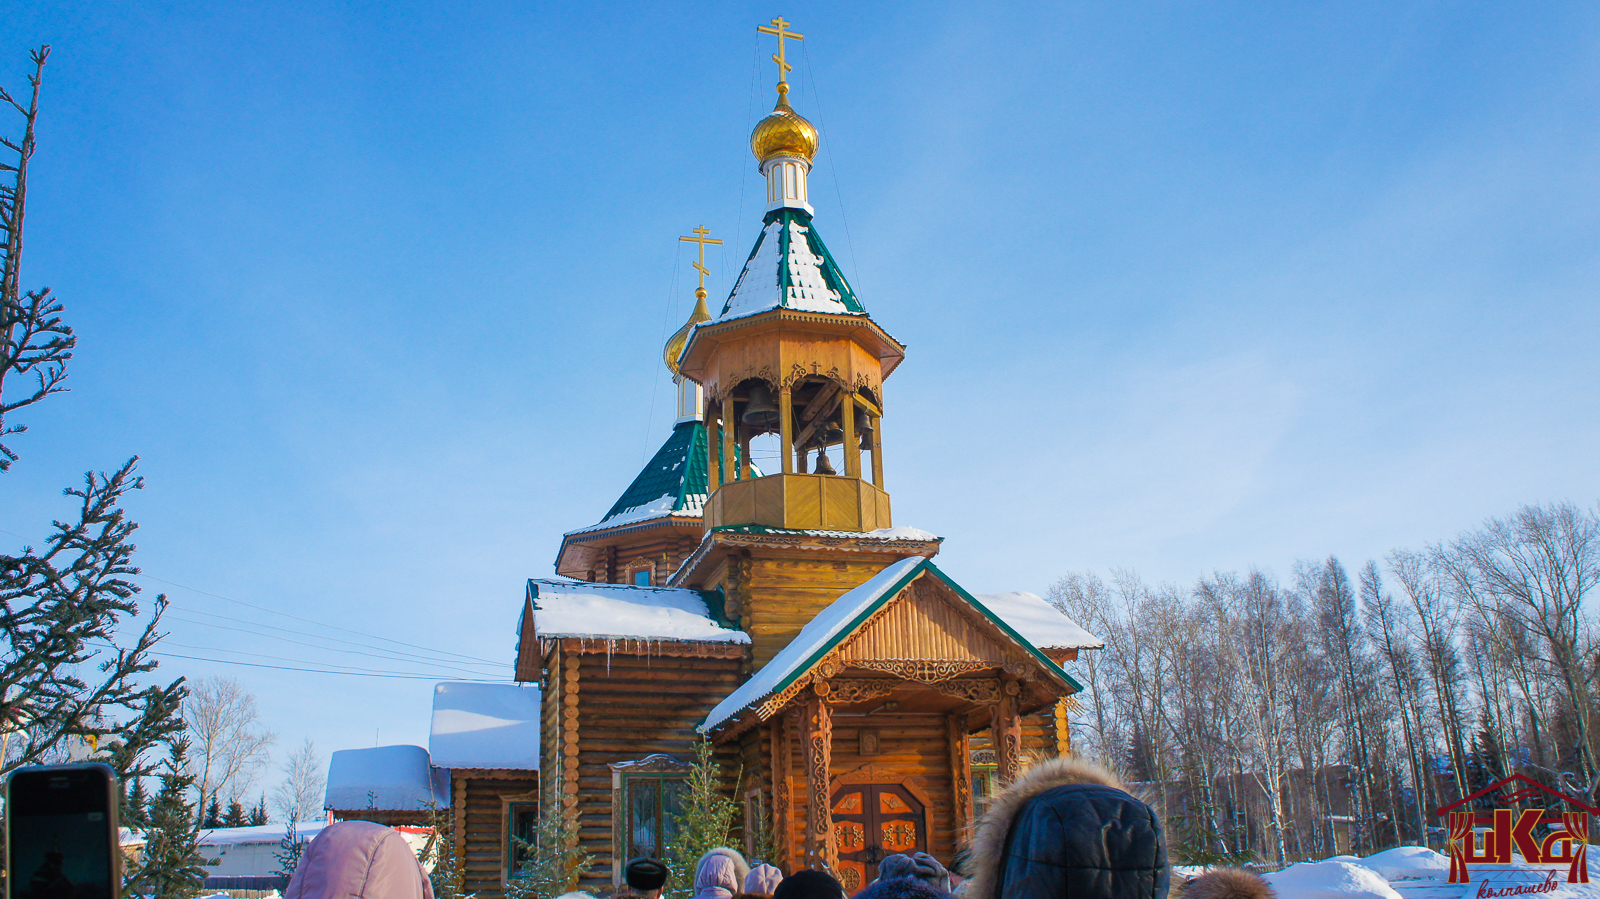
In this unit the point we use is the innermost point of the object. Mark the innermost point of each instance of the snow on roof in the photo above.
(581, 609)
(385, 777)
(1039, 622)
(789, 267)
(265, 833)
(815, 636)
(902, 532)
(485, 726)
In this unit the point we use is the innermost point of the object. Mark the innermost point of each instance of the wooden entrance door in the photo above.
(871, 821)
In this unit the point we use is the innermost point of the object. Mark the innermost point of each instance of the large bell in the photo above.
(760, 412)
(864, 428)
(830, 434)
(823, 465)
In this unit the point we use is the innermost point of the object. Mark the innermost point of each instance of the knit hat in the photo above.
(809, 884)
(646, 874)
(920, 866)
(762, 879)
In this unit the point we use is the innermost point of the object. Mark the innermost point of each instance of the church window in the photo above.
(522, 824)
(654, 804)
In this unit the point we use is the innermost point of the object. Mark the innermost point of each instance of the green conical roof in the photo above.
(791, 268)
(674, 480)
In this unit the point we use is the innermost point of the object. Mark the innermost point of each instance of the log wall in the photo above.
(481, 824)
(632, 706)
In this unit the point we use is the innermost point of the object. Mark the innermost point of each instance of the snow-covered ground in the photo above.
(1412, 872)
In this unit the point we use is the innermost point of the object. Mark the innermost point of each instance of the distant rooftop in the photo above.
(485, 726)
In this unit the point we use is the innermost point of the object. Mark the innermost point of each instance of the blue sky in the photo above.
(378, 291)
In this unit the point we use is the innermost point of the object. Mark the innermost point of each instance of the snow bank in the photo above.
(1409, 863)
(1330, 880)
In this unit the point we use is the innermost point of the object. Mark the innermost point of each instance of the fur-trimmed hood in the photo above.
(1228, 883)
(720, 873)
(1076, 823)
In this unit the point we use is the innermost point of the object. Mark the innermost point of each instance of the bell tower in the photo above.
(793, 353)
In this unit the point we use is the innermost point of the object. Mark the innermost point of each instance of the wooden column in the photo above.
(960, 775)
(713, 437)
(782, 795)
(728, 427)
(744, 453)
(786, 428)
(852, 446)
(877, 451)
(1063, 730)
(819, 761)
(1007, 727)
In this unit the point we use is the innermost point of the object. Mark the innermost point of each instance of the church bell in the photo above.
(823, 465)
(864, 428)
(760, 412)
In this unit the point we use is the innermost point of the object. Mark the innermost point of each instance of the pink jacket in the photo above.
(359, 860)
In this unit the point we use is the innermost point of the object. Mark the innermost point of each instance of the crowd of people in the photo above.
(1066, 829)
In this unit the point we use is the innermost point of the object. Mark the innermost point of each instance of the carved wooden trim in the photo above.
(845, 690)
(655, 763)
(775, 704)
(783, 789)
(927, 671)
(985, 689)
(818, 759)
(960, 775)
(506, 799)
(874, 773)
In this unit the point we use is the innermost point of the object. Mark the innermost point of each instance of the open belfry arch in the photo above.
(868, 702)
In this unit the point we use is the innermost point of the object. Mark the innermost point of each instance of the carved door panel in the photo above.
(871, 821)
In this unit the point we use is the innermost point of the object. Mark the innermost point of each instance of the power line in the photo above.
(393, 675)
(306, 620)
(261, 655)
(392, 653)
(312, 645)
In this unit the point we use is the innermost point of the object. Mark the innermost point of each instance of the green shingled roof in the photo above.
(674, 480)
(779, 273)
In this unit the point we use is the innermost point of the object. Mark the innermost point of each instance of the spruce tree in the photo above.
(290, 848)
(236, 816)
(71, 656)
(258, 815)
(171, 866)
(705, 823)
(135, 805)
(213, 816)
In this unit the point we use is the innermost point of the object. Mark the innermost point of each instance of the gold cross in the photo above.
(702, 239)
(779, 27)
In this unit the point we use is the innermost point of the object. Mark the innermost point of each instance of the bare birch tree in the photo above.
(300, 796)
(229, 747)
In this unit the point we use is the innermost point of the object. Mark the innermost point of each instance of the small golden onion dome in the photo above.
(784, 132)
(675, 343)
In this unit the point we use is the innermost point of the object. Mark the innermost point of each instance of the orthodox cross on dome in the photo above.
(702, 237)
(779, 28)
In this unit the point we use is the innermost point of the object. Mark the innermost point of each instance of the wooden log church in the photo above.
(868, 701)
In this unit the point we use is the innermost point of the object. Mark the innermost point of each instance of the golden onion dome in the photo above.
(675, 343)
(784, 132)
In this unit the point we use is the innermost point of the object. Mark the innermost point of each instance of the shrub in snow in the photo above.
(1330, 880)
(1409, 863)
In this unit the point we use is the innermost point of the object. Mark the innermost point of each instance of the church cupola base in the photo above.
(800, 502)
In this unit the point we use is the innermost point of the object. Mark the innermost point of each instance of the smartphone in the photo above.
(61, 827)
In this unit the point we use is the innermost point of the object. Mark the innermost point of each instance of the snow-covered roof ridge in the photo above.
(478, 725)
(1045, 626)
(566, 608)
